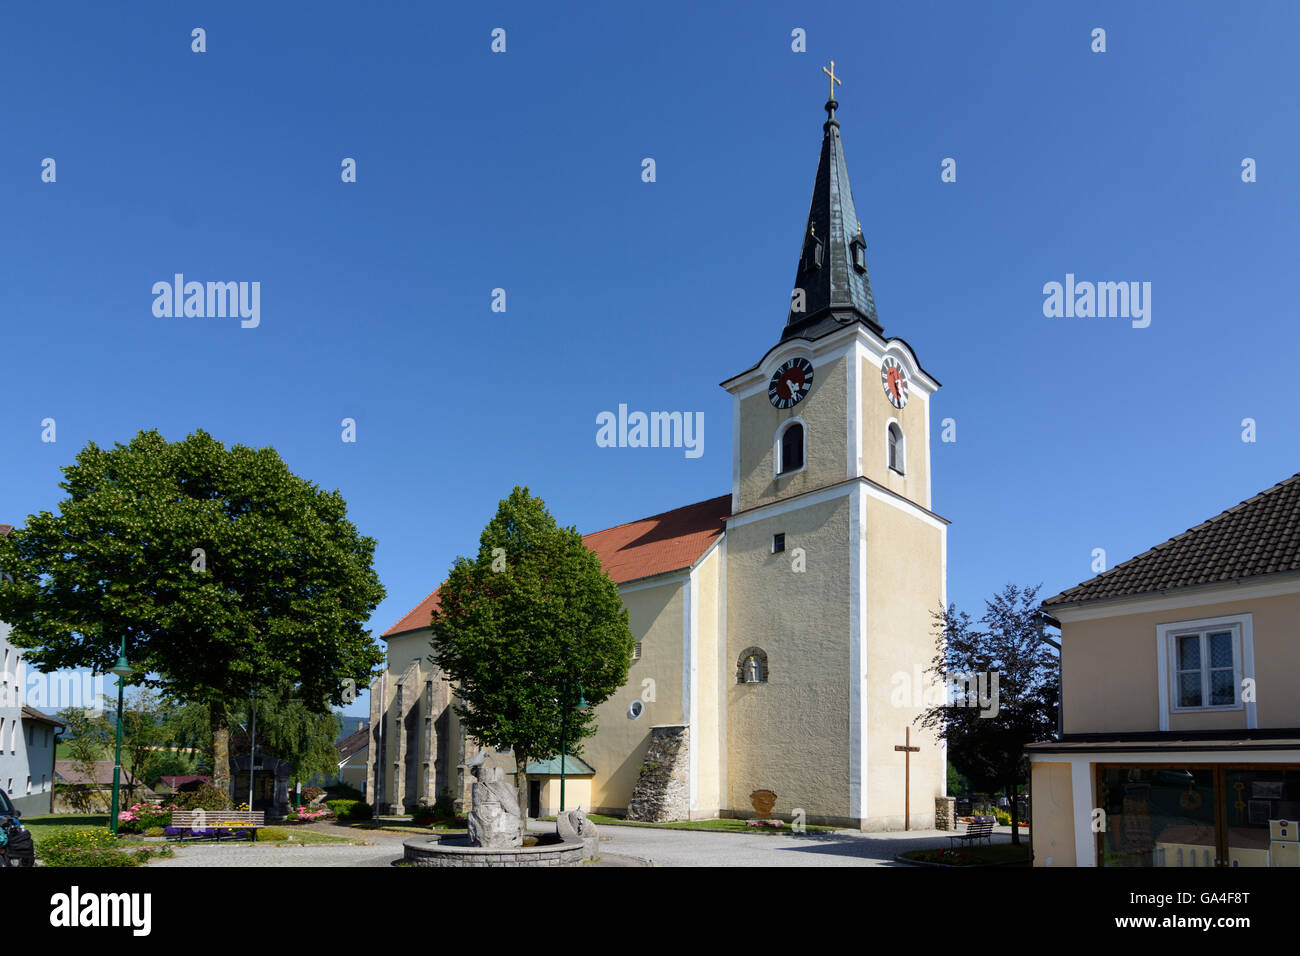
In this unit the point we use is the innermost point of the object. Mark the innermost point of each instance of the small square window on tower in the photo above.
(778, 543)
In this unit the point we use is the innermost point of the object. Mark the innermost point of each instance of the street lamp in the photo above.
(123, 670)
(564, 727)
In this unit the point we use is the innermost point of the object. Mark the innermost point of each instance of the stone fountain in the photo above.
(496, 835)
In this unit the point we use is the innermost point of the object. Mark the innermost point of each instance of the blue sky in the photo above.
(522, 171)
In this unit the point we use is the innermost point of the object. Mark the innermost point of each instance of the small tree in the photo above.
(1018, 696)
(86, 736)
(521, 627)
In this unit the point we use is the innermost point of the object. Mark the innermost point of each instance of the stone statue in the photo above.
(494, 819)
(573, 826)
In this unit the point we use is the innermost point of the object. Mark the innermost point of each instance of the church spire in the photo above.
(832, 272)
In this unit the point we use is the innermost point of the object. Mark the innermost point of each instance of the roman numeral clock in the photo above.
(893, 379)
(790, 383)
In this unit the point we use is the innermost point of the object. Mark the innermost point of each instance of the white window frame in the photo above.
(902, 447)
(1243, 664)
(776, 448)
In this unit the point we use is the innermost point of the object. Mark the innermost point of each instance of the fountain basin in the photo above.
(457, 851)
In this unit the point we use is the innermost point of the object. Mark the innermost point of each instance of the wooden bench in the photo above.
(981, 828)
(218, 820)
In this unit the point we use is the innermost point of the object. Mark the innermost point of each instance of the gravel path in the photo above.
(840, 848)
(620, 846)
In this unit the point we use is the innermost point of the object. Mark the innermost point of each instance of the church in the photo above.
(772, 622)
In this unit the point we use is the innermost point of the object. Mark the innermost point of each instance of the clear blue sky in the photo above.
(522, 171)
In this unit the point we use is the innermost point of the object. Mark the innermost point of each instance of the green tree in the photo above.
(295, 733)
(223, 570)
(86, 736)
(520, 627)
(986, 743)
(144, 731)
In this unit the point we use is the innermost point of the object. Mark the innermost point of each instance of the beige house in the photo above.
(773, 622)
(1180, 739)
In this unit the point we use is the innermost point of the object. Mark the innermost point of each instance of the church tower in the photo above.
(834, 560)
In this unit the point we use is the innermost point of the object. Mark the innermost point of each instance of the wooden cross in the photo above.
(834, 79)
(908, 750)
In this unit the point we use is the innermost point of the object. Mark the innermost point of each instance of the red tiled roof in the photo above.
(639, 549)
(1259, 536)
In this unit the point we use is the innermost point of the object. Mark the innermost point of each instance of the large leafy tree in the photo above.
(520, 627)
(222, 569)
(987, 743)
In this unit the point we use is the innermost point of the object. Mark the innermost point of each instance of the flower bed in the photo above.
(309, 815)
(145, 816)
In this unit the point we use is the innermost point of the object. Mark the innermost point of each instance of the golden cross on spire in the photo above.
(834, 79)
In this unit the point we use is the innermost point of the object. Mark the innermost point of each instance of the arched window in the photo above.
(895, 439)
(791, 449)
(751, 668)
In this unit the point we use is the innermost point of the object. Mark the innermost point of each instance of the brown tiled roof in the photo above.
(639, 549)
(6, 528)
(353, 744)
(31, 713)
(1257, 537)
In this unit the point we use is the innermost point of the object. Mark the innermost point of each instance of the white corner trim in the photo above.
(1085, 844)
(1244, 666)
(735, 453)
(723, 673)
(858, 653)
(929, 459)
(690, 685)
(853, 389)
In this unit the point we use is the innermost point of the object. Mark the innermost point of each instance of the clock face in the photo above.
(790, 383)
(893, 379)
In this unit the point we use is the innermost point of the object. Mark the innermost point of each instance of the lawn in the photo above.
(43, 826)
(974, 855)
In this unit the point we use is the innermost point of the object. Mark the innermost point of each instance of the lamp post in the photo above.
(564, 728)
(123, 670)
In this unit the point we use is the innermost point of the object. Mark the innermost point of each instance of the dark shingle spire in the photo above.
(832, 261)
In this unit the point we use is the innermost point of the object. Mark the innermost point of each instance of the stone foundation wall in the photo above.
(945, 813)
(662, 792)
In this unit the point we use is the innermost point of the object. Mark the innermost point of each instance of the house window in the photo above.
(895, 443)
(751, 668)
(778, 543)
(636, 651)
(635, 709)
(1205, 671)
(1201, 665)
(790, 449)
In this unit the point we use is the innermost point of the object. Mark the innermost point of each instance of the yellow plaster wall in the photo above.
(904, 587)
(876, 413)
(704, 736)
(577, 794)
(824, 412)
(619, 745)
(791, 734)
(1051, 827)
(1108, 668)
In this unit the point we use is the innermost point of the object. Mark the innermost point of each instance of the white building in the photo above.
(27, 736)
